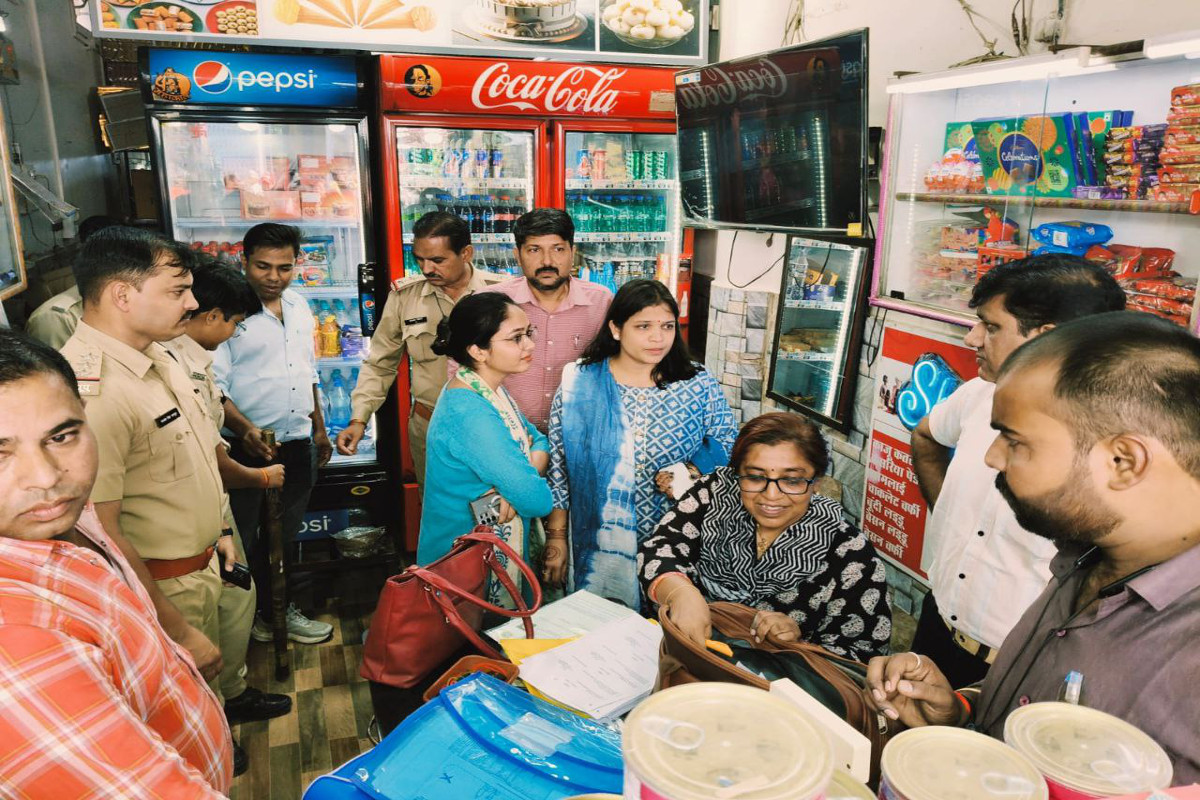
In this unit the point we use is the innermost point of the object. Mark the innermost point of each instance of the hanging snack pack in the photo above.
(1027, 155)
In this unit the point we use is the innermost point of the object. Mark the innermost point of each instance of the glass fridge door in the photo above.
(484, 176)
(225, 177)
(813, 365)
(623, 194)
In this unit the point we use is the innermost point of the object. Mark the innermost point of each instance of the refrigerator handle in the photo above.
(366, 298)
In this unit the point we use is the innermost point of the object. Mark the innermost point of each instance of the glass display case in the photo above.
(222, 178)
(622, 191)
(484, 176)
(12, 265)
(818, 328)
(1061, 153)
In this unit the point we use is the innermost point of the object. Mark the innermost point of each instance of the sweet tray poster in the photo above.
(646, 31)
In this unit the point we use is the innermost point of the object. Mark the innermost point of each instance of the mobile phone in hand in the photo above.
(239, 576)
(486, 509)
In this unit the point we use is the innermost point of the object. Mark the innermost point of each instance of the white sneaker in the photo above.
(304, 630)
(299, 628)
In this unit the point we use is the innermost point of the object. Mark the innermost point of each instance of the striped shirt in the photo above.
(561, 338)
(95, 700)
(822, 572)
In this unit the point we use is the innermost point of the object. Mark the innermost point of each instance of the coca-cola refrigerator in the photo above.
(489, 140)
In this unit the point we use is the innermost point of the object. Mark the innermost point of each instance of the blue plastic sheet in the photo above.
(484, 740)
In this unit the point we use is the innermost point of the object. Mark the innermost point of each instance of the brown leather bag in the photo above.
(682, 661)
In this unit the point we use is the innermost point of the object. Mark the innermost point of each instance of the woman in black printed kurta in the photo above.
(754, 533)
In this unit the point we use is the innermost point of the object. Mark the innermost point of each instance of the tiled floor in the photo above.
(331, 704)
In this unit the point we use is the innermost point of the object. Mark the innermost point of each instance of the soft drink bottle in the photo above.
(584, 210)
(483, 162)
(583, 165)
(624, 220)
(497, 162)
(331, 345)
(316, 336)
(489, 214)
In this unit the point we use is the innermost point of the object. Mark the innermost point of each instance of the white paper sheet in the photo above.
(604, 673)
(575, 615)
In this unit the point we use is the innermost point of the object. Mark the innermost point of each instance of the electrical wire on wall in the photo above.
(759, 276)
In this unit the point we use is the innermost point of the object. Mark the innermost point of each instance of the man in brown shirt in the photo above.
(1098, 449)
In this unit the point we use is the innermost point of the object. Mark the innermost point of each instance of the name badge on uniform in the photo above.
(166, 419)
(416, 320)
(199, 376)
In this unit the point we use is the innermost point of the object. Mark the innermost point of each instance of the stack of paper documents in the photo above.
(576, 614)
(604, 673)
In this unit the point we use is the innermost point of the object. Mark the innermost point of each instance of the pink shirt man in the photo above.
(561, 338)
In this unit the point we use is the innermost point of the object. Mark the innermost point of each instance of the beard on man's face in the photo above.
(1071, 512)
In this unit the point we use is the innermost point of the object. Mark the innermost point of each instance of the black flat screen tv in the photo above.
(777, 141)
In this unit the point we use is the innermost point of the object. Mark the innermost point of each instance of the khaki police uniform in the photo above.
(54, 321)
(409, 324)
(235, 602)
(157, 458)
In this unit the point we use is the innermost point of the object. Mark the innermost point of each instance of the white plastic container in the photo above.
(941, 763)
(846, 787)
(1085, 753)
(711, 741)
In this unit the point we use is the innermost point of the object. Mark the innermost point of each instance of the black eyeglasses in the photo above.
(529, 333)
(788, 485)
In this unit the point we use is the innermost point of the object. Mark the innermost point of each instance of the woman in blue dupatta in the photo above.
(629, 410)
(479, 442)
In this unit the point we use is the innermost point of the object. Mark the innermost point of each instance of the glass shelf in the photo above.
(645, 236)
(807, 356)
(229, 222)
(816, 305)
(1144, 206)
(591, 183)
(478, 238)
(438, 182)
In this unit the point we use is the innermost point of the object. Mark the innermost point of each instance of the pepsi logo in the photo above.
(212, 77)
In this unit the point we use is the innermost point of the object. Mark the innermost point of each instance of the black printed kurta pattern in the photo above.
(821, 571)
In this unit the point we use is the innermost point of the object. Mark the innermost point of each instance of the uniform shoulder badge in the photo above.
(86, 360)
(411, 280)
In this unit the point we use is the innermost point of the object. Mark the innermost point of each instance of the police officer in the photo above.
(158, 485)
(54, 321)
(443, 251)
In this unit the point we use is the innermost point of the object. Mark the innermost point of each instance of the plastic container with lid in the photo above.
(1085, 753)
(708, 741)
(845, 787)
(940, 763)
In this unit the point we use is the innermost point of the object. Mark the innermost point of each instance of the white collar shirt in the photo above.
(985, 569)
(268, 369)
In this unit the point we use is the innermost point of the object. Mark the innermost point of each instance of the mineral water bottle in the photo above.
(584, 214)
(624, 209)
(660, 213)
(326, 408)
(342, 314)
(339, 401)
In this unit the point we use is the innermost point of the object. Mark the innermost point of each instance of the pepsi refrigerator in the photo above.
(244, 138)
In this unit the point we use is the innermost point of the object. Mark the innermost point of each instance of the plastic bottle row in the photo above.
(618, 213)
(484, 213)
(773, 138)
(335, 404)
(337, 329)
(465, 159)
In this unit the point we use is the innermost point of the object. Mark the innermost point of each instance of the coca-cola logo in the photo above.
(728, 86)
(579, 89)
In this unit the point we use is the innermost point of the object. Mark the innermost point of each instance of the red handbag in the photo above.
(426, 614)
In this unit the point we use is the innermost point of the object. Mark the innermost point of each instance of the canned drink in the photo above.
(497, 163)
(268, 436)
(599, 164)
(583, 169)
(635, 165)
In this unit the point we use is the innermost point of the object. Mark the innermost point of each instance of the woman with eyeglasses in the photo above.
(633, 407)
(479, 442)
(755, 533)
